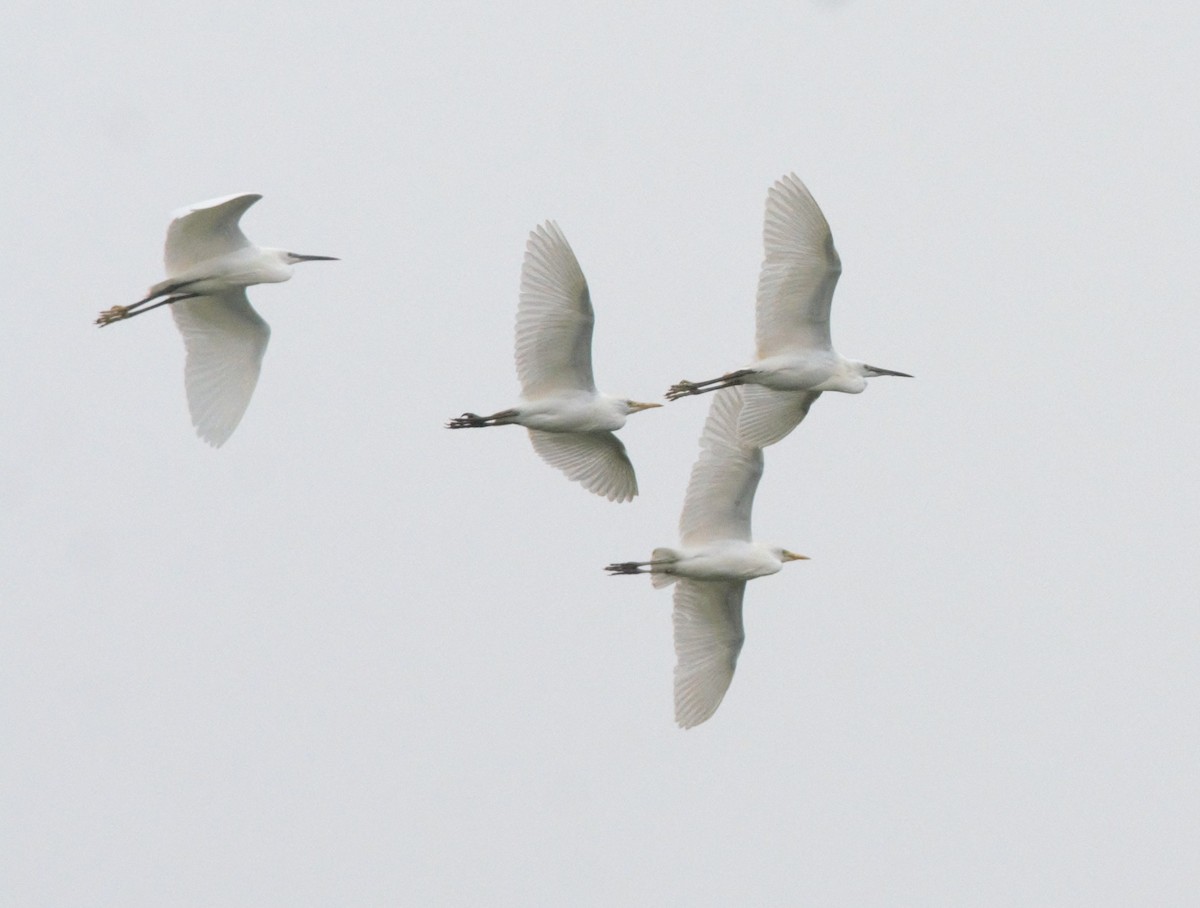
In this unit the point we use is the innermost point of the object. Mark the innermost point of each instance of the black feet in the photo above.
(626, 567)
(683, 389)
(467, 421)
(475, 421)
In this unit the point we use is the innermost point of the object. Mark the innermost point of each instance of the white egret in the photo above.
(795, 359)
(715, 559)
(209, 264)
(570, 423)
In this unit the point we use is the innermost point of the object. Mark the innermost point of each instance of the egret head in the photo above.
(293, 258)
(633, 406)
(785, 555)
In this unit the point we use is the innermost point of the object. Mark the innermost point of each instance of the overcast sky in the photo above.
(352, 658)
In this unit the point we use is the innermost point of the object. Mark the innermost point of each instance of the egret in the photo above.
(795, 359)
(570, 423)
(209, 265)
(715, 559)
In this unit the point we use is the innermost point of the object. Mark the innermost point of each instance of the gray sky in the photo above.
(352, 658)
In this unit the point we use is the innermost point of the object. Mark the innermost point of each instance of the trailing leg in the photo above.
(119, 313)
(475, 421)
(634, 567)
(684, 388)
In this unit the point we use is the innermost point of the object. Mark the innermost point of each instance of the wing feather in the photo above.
(206, 230)
(708, 638)
(768, 415)
(554, 318)
(799, 272)
(225, 340)
(720, 493)
(596, 460)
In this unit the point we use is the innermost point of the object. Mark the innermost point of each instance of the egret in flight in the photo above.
(570, 423)
(795, 360)
(209, 265)
(715, 559)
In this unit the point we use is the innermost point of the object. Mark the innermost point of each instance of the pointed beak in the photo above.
(872, 371)
(635, 406)
(792, 556)
(315, 258)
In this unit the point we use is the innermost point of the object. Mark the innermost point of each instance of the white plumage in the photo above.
(225, 341)
(570, 423)
(209, 264)
(716, 556)
(795, 361)
(555, 318)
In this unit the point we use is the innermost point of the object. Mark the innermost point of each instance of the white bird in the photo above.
(209, 264)
(715, 559)
(795, 359)
(570, 423)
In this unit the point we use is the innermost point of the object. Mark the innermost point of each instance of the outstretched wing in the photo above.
(554, 318)
(708, 637)
(596, 460)
(768, 415)
(206, 230)
(720, 493)
(225, 340)
(799, 272)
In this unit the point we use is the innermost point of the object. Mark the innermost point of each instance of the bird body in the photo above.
(715, 559)
(573, 411)
(725, 559)
(570, 423)
(242, 267)
(795, 360)
(807, 370)
(209, 264)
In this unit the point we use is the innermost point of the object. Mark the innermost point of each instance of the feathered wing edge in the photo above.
(768, 416)
(205, 230)
(720, 492)
(225, 340)
(708, 638)
(555, 317)
(596, 460)
(800, 270)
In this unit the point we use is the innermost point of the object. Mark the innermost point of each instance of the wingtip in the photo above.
(790, 181)
(214, 203)
(690, 721)
(213, 440)
(547, 233)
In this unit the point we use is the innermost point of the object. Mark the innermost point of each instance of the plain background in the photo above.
(354, 659)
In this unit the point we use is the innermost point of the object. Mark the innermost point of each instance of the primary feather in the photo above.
(206, 230)
(769, 415)
(225, 340)
(595, 460)
(799, 272)
(720, 492)
(709, 633)
(554, 318)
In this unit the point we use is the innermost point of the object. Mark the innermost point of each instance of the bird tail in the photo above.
(658, 575)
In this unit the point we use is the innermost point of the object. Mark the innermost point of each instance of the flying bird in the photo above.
(570, 423)
(715, 559)
(209, 265)
(795, 359)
